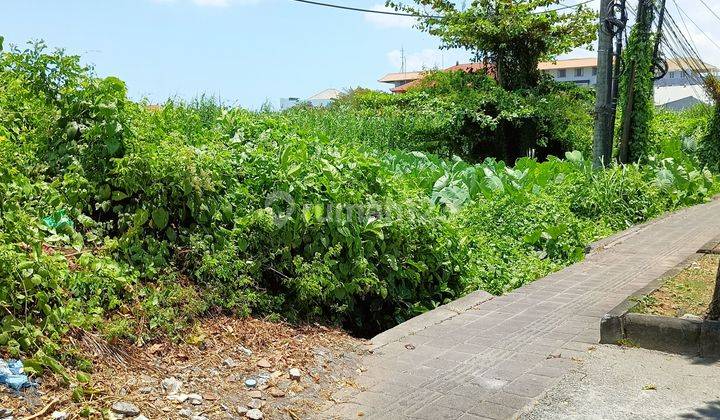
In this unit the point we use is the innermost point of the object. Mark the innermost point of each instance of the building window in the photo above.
(672, 74)
(562, 73)
(578, 72)
(594, 71)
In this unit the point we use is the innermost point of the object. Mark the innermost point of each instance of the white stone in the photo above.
(171, 385)
(254, 414)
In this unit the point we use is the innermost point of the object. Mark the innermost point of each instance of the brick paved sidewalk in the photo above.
(485, 357)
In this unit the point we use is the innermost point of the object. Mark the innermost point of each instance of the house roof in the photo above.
(325, 95)
(673, 64)
(681, 63)
(400, 77)
(668, 94)
(572, 63)
(411, 78)
(468, 67)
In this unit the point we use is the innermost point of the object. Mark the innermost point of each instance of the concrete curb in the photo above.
(673, 335)
(430, 318)
(710, 247)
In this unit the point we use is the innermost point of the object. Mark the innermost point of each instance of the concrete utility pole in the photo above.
(604, 126)
(619, 27)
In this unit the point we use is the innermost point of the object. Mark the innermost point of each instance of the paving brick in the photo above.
(435, 412)
(493, 410)
(488, 384)
(468, 416)
(529, 385)
(509, 400)
(491, 360)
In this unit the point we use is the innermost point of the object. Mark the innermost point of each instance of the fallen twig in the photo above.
(44, 411)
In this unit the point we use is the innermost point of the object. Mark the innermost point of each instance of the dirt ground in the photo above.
(228, 352)
(690, 292)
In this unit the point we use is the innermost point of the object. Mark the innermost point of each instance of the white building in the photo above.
(320, 99)
(581, 71)
(678, 89)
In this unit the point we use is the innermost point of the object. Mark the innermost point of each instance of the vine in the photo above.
(709, 150)
(636, 83)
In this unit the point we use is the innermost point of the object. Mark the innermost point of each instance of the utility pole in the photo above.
(661, 21)
(604, 126)
(644, 25)
(619, 25)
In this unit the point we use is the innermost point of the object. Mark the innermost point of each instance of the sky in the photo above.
(249, 52)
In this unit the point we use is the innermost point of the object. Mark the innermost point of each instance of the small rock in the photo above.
(126, 409)
(141, 417)
(276, 392)
(186, 413)
(178, 398)
(254, 414)
(255, 394)
(198, 418)
(241, 410)
(195, 399)
(229, 363)
(59, 415)
(295, 374)
(250, 383)
(256, 404)
(264, 363)
(171, 385)
(263, 378)
(245, 350)
(146, 390)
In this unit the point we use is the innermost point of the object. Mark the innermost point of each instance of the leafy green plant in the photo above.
(136, 221)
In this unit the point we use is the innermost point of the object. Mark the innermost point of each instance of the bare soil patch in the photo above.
(215, 363)
(688, 293)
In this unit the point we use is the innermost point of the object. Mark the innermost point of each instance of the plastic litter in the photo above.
(58, 220)
(251, 383)
(12, 376)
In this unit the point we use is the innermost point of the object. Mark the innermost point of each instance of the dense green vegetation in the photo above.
(463, 114)
(137, 221)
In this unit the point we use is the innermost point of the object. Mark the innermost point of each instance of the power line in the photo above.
(710, 9)
(357, 9)
(680, 9)
(388, 12)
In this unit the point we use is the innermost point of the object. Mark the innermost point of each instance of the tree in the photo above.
(714, 312)
(510, 36)
(710, 155)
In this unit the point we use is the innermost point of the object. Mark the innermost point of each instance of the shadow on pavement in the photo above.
(711, 410)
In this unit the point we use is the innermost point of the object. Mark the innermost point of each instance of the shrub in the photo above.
(463, 114)
(138, 221)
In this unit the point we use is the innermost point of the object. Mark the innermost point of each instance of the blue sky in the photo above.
(246, 51)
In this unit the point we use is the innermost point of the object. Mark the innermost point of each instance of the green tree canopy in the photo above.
(511, 36)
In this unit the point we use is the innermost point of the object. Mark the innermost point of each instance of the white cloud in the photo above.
(388, 21)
